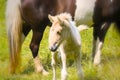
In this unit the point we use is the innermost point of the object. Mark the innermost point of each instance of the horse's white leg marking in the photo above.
(97, 51)
(78, 65)
(64, 66)
(38, 66)
(53, 64)
(103, 26)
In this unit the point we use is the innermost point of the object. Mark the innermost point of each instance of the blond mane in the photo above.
(65, 16)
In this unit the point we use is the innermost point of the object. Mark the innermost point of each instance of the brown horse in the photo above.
(25, 15)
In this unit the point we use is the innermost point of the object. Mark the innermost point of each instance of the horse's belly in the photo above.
(84, 20)
(84, 12)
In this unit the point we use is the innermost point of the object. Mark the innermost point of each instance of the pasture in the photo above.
(108, 70)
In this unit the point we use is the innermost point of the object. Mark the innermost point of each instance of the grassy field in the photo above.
(108, 70)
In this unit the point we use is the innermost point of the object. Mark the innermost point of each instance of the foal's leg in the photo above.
(53, 63)
(99, 33)
(78, 66)
(34, 46)
(64, 65)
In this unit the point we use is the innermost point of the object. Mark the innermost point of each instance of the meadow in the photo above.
(108, 70)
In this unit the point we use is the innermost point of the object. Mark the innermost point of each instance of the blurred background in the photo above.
(108, 70)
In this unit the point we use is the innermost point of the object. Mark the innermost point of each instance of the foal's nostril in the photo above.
(50, 48)
(53, 49)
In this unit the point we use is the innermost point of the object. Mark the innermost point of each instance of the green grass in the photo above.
(108, 70)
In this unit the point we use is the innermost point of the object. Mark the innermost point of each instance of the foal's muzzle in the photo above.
(53, 48)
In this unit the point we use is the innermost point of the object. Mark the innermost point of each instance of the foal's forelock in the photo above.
(57, 34)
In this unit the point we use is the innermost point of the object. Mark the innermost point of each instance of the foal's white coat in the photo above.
(68, 42)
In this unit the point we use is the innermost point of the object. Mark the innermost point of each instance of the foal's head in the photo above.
(58, 30)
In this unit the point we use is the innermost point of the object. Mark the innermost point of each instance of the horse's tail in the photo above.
(82, 27)
(14, 31)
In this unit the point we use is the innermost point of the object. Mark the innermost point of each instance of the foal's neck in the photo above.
(71, 31)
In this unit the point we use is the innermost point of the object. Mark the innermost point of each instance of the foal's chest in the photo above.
(71, 47)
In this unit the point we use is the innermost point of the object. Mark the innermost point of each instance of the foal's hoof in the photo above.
(44, 72)
(96, 63)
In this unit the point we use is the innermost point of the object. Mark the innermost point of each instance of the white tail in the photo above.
(14, 30)
(82, 27)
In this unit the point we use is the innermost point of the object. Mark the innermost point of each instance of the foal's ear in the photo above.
(60, 21)
(63, 22)
(51, 18)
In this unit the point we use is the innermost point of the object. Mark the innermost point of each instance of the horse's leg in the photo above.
(78, 66)
(99, 33)
(34, 46)
(118, 25)
(64, 65)
(53, 64)
(25, 30)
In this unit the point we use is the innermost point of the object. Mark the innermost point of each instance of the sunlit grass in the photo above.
(108, 70)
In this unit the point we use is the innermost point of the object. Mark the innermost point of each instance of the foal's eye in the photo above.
(59, 33)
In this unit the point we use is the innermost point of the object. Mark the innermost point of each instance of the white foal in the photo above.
(65, 37)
